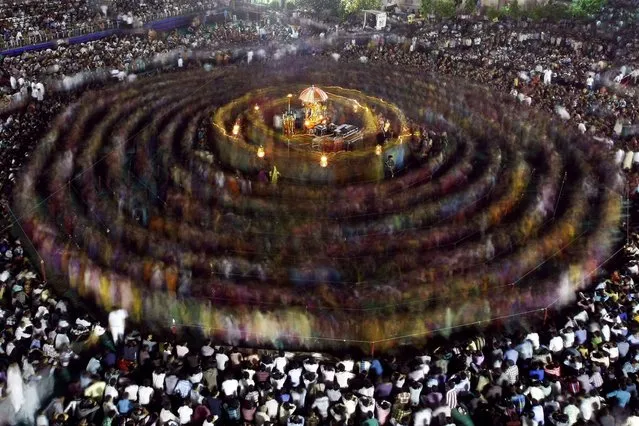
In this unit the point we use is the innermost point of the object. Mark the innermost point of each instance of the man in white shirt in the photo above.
(280, 362)
(582, 128)
(40, 91)
(632, 421)
(185, 412)
(294, 374)
(132, 390)
(572, 411)
(534, 339)
(110, 389)
(586, 407)
(117, 321)
(181, 350)
(534, 392)
(328, 373)
(343, 377)
(278, 379)
(145, 393)
(166, 415)
(321, 403)
(556, 344)
(158, 377)
(230, 387)
(221, 359)
(422, 417)
(348, 364)
(443, 410)
(568, 336)
(271, 406)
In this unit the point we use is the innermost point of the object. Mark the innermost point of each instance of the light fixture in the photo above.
(256, 107)
(260, 152)
(324, 161)
(236, 128)
(289, 96)
(378, 150)
(386, 126)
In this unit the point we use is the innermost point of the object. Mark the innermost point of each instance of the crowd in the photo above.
(32, 21)
(573, 69)
(127, 55)
(581, 368)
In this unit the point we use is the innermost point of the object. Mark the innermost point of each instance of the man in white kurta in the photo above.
(117, 321)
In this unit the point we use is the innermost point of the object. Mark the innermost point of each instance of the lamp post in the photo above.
(289, 96)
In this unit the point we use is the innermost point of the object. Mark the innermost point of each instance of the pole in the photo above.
(559, 196)
(43, 271)
(627, 211)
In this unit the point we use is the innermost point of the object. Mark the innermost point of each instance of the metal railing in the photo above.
(43, 36)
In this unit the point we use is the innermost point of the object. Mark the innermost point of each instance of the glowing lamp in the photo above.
(289, 96)
(236, 129)
(378, 150)
(307, 123)
(260, 152)
(324, 161)
(256, 107)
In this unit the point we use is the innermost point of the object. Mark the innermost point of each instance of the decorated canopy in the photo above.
(312, 95)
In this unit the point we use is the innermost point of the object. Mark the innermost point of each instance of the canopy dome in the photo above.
(313, 94)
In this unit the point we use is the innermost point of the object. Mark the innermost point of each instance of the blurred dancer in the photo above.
(117, 320)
